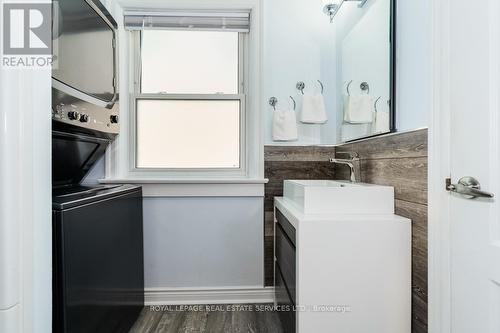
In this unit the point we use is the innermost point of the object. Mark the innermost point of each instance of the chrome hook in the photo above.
(300, 87)
(294, 103)
(322, 86)
(348, 86)
(375, 104)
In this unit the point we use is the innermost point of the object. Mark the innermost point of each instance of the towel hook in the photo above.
(348, 86)
(301, 86)
(273, 101)
(375, 105)
(322, 86)
(364, 86)
(294, 103)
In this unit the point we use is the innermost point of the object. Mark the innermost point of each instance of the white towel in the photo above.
(285, 125)
(313, 110)
(358, 109)
(382, 120)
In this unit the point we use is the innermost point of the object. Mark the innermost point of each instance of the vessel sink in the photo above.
(338, 197)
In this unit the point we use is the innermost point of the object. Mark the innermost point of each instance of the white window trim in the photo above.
(118, 167)
(138, 95)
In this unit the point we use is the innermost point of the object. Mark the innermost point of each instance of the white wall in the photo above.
(203, 242)
(25, 201)
(414, 76)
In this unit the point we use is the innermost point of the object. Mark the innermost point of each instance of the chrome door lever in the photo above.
(469, 187)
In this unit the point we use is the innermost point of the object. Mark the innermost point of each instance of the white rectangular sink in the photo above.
(338, 197)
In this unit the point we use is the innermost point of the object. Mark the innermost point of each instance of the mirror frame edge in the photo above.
(392, 75)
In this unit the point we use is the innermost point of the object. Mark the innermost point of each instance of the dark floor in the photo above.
(245, 318)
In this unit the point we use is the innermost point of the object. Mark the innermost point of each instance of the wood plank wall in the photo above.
(398, 160)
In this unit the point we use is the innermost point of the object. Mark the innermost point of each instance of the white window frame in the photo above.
(165, 184)
(137, 95)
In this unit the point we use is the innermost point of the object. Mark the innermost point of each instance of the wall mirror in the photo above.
(365, 66)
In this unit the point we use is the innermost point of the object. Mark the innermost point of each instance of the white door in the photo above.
(471, 89)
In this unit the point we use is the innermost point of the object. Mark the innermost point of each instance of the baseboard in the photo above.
(189, 296)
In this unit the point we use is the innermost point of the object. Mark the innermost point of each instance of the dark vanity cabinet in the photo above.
(284, 272)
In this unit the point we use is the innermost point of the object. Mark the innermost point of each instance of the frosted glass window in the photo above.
(189, 62)
(188, 134)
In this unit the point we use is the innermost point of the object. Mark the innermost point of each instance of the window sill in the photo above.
(230, 187)
(185, 181)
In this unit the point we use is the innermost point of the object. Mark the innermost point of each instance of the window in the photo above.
(189, 101)
(189, 62)
(188, 134)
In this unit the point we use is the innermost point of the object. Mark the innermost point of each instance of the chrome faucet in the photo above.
(353, 158)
